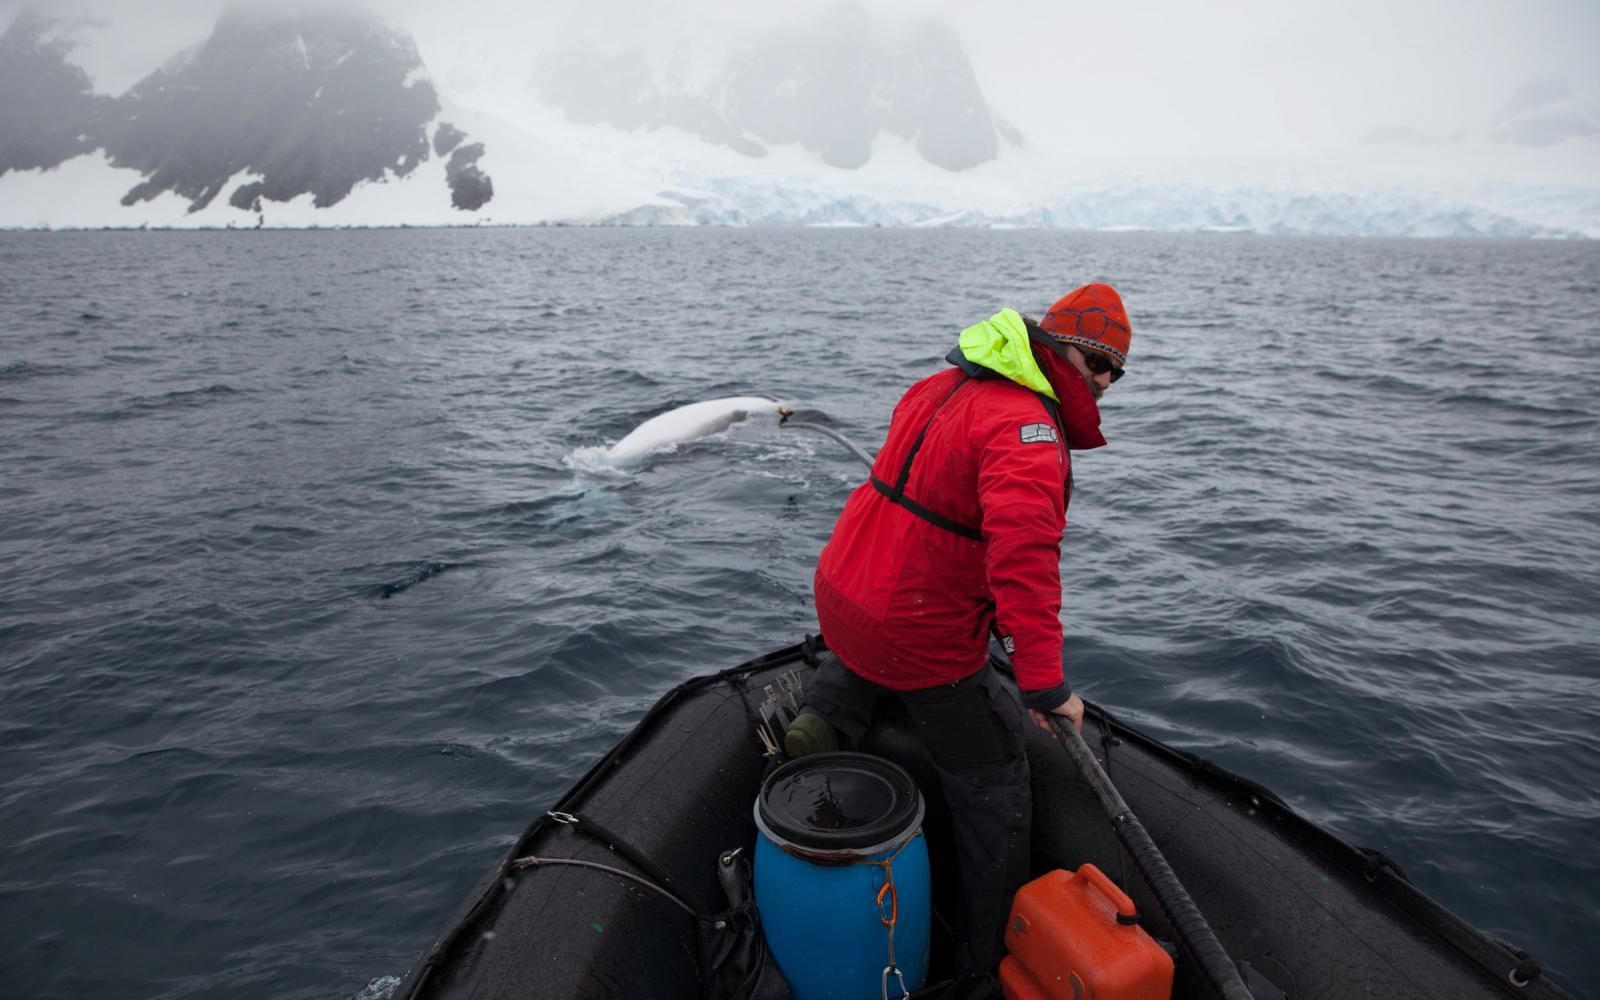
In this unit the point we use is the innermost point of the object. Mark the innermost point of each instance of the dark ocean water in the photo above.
(305, 610)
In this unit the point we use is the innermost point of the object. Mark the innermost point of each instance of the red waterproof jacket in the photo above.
(913, 578)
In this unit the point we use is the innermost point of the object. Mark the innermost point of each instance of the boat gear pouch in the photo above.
(734, 962)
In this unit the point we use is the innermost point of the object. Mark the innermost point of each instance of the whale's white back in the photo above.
(687, 423)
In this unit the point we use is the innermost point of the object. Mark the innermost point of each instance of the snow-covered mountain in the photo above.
(270, 108)
(302, 104)
(1108, 205)
(324, 116)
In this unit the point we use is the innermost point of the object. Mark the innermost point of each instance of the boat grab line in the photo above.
(538, 862)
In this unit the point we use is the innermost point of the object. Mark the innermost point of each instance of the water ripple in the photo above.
(311, 602)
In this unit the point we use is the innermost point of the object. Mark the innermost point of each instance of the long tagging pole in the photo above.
(1190, 924)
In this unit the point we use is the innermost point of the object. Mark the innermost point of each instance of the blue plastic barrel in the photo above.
(835, 828)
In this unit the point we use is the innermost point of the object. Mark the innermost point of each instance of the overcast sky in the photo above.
(1134, 76)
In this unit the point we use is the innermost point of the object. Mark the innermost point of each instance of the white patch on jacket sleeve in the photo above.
(1038, 434)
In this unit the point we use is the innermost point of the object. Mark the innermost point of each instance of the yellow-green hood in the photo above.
(1000, 344)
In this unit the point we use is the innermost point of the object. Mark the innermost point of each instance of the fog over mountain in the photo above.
(49, 111)
(1543, 112)
(862, 112)
(833, 86)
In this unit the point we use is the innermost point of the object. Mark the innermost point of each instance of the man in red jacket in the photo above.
(957, 535)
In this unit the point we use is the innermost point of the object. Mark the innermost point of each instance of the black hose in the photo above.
(1193, 931)
(830, 432)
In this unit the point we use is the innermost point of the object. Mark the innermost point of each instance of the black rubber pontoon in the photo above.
(1301, 911)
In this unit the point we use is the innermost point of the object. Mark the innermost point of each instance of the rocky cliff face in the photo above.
(309, 104)
(272, 106)
(833, 89)
(48, 109)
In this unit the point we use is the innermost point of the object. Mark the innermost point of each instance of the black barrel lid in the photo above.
(839, 801)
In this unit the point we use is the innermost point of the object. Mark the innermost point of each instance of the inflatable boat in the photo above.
(609, 893)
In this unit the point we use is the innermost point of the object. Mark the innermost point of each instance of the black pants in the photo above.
(973, 732)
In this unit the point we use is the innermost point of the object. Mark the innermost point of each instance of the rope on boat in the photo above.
(537, 862)
(1193, 930)
(585, 824)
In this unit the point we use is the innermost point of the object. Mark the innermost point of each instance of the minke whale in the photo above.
(686, 423)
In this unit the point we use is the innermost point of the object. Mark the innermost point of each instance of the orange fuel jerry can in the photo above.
(1066, 943)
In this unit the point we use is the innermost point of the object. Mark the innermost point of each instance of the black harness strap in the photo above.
(896, 494)
(932, 517)
(916, 446)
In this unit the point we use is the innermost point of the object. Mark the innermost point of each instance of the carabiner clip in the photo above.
(884, 985)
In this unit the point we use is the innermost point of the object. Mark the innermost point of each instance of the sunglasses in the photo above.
(1090, 323)
(1098, 364)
